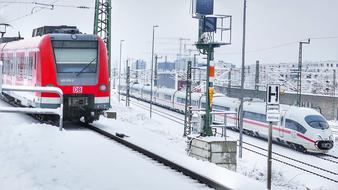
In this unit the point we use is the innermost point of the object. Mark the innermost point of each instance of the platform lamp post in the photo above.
(299, 81)
(151, 70)
(121, 41)
(241, 114)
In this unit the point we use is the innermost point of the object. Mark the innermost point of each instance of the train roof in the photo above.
(194, 96)
(22, 44)
(35, 42)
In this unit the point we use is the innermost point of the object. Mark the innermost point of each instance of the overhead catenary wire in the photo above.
(281, 45)
(42, 6)
(46, 4)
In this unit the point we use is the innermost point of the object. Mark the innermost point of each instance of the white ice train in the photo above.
(301, 128)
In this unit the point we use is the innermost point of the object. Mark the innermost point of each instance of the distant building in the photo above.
(317, 77)
(138, 65)
(167, 80)
(166, 66)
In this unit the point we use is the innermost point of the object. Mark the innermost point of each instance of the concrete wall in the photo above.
(326, 105)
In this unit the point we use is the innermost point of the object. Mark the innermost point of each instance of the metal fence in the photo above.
(46, 111)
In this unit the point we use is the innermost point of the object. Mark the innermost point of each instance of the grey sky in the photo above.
(270, 23)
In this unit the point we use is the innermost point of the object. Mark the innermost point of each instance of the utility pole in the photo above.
(229, 82)
(151, 70)
(136, 73)
(187, 116)
(180, 51)
(156, 68)
(102, 28)
(241, 115)
(257, 78)
(195, 67)
(121, 41)
(334, 96)
(128, 85)
(114, 79)
(269, 175)
(299, 81)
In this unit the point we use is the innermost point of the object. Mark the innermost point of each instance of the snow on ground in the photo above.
(165, 137)
(38, 156)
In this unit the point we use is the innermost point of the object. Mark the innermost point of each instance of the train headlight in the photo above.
(103, 87)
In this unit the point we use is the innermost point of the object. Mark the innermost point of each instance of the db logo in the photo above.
(77, 89)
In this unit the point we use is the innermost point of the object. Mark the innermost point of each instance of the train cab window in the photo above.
(291, 124)
(76, 56)
(317, 122)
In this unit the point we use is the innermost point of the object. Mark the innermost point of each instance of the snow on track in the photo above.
(38, 156)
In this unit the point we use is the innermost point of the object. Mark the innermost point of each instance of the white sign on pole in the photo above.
(272, 94)
(272, 103)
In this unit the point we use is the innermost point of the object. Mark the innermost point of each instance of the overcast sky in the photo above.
(274, 27)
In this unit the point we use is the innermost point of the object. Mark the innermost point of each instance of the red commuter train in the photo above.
(76, 63)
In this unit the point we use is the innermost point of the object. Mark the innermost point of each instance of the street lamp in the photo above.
(299, 82)
(151, 70)
(121, 41)
(242, 86)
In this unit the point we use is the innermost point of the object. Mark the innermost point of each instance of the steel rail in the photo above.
(194, 175)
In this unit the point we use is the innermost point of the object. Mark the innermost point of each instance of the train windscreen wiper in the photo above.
(85, 67)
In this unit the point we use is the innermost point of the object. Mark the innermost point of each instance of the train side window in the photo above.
(290, 124)
(222, 108)
(167, 97)
(255, 116)
(180, 100)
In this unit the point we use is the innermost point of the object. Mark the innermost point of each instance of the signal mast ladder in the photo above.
(46, 111)
(196, 120)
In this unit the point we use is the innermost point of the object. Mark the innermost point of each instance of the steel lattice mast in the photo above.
(102, 27)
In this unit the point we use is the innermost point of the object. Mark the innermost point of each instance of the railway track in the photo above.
(277, 158)
(160, 113)
(196, 176)
(288, 161)
(327, 157)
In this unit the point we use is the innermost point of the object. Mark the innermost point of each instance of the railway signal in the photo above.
(207, 42)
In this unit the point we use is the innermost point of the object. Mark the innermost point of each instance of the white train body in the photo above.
(301, 128)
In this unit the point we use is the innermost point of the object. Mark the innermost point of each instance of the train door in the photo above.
(281, 124)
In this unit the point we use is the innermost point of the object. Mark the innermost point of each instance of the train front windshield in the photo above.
(76, 56)
(317, 122)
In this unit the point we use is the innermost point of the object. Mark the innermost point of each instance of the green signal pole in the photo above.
(207, 128)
